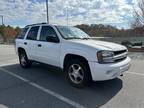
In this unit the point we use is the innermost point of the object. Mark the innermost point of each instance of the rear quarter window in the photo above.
(32, 34)
(22, 33)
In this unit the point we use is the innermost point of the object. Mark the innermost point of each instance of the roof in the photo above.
(35, 24)
(44, 23)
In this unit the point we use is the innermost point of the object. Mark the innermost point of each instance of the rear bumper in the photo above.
(102, 72)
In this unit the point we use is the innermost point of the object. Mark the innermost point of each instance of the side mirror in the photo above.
(52, 39)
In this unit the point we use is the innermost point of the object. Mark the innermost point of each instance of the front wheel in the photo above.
(78, 73)
(24, 62)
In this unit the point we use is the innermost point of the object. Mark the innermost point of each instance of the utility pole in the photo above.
(67, 13)
(67, 16)
(47, 11)
(2, 19)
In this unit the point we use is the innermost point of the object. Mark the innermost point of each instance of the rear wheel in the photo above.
(24, 62)
(78, 73)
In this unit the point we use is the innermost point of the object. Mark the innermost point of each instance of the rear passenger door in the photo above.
(48, 52)
(31, 42)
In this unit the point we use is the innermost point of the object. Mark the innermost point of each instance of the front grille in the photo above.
(120, 55)
(119, 60)
(119, 52)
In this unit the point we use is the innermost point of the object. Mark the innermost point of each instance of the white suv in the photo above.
(69, 48)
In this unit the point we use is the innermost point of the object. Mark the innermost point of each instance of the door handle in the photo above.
(39, 45)
(25, 43)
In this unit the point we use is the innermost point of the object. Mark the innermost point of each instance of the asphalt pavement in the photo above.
(43, 86)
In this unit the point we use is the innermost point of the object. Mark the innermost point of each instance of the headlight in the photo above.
(105, 56)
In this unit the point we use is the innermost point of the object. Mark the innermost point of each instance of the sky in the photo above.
(117, 13)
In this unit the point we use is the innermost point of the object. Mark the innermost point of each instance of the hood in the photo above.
(100, 45)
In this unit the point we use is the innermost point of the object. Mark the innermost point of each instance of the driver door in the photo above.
(48, 52)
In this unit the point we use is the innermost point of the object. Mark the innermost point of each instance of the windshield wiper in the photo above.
(73, 38)
(85, 38)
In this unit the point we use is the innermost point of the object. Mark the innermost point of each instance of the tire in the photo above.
(23, 59)
(78, 73)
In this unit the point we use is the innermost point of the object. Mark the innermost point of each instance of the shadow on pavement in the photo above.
(98, 94)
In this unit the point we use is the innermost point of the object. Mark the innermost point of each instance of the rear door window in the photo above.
(32, 35)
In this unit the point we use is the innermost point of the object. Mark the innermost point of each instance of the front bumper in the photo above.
(102, 72)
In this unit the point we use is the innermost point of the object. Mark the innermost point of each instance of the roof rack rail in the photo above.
(36, 24)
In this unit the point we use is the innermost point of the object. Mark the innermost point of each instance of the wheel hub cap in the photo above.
(76, 73)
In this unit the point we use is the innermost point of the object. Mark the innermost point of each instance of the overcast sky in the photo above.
(114, 12)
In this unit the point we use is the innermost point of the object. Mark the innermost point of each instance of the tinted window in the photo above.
(22, 34)
(32, 35)
(47, 31)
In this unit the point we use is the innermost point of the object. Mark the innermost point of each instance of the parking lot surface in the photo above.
(43, 86)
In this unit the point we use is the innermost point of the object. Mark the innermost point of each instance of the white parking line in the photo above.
(58, 96)
(134, 73)
(7, 64)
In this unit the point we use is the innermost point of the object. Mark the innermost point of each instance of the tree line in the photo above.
(95, 30)
(100, 30)
(9, 33)
(139, 15)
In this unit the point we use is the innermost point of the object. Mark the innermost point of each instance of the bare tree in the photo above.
(139, 15)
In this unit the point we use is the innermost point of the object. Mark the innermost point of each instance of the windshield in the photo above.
(72, 32)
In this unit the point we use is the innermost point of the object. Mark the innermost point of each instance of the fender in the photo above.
(74, 52)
